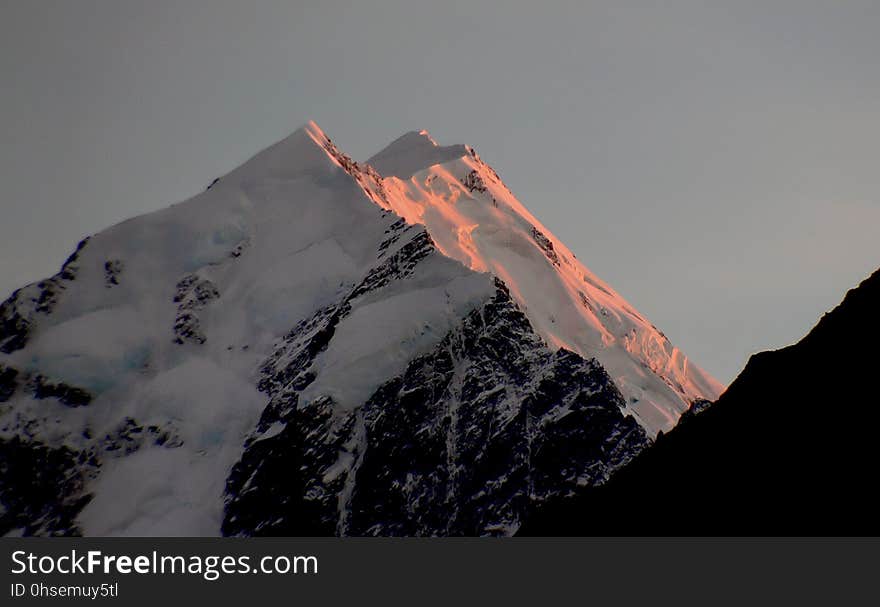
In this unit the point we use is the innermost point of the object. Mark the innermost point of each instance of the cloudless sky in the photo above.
(716, 162)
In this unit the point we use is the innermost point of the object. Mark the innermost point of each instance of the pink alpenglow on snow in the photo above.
(474, 218)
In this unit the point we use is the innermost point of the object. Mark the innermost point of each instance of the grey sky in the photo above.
(716, 162)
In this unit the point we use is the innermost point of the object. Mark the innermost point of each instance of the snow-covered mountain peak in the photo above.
(474, 218)
(413, 152)
(392, 347)
(303, 151)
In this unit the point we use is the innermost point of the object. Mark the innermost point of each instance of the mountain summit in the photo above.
(319, 346)
(475, 219)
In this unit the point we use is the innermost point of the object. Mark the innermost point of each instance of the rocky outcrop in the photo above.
(546, 246)
(474, 182)
(72, 396)
(19, 313)
(8, 382)
(193, 294)
(41, 488)
(467, 441)
(112, 270)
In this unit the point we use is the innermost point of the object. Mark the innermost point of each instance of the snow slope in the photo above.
(170, 347)
(475, 219)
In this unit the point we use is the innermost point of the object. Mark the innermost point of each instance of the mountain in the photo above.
(319, 346)
(788, 449)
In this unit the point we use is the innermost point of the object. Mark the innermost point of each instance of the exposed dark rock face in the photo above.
(697, 407)
(41, 488)
(41, 387)
(193, 294)
(365, 175)
(474, 182)
(397, 266)
(239, 249)
(288, 371)
(15, 323)
(187, 328)
(70, 267)
(276, 489)
(8, 382)
(130, 436)
(546, 245)
(112, 270)
(393, 234)
(19, 312)
(69, 395)
(474, 435)
(44, 487)
(790, 448)
(288, 367)
(585, 301)
(465, 442)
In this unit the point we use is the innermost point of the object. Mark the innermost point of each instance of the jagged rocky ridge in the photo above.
(285, 354)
